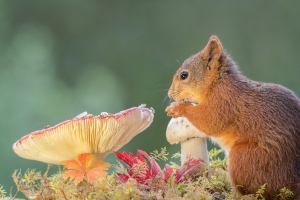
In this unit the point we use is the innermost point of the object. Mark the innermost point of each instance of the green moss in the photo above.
(210, 183)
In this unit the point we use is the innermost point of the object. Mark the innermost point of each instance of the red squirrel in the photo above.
(257, 124)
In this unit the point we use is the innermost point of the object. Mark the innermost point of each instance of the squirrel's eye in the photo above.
(184, 75)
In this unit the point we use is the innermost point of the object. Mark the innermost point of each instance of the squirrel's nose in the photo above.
(170, 94)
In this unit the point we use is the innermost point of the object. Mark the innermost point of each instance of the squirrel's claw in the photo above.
(173, 110)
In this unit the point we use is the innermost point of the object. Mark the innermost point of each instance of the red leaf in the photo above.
(129, 159)
(123, 178)
(168, 172)
(185, 169)
(150, 171)
(140, 153)
(155, 168)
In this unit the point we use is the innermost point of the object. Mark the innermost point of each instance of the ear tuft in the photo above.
(213, 49)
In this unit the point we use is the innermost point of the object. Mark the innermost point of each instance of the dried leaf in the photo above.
(84, 166)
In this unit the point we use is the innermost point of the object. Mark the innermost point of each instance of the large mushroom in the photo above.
(193, 141)
(97, 135)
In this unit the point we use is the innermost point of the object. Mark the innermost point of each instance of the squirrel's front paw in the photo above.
(173, 110)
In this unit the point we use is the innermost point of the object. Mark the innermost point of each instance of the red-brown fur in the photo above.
(258, 124)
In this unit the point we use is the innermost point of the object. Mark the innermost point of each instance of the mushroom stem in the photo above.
(195, 148)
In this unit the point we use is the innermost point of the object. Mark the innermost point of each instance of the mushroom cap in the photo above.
(98, 135)
(181, 129)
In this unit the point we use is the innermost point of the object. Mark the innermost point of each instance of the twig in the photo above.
(14, 197)
(63, 193)
(217, 198)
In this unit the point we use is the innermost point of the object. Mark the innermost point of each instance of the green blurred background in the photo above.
(60, 58)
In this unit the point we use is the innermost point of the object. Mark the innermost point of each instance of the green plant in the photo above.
(2, 192)
(212, 183)
(285, 193)
(260, 192)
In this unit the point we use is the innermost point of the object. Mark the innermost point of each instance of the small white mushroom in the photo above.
(98, 135)
(193, 141)
(104, 114)
(81, 115)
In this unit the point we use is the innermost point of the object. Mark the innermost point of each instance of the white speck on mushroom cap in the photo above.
(98, 135)
(81, 115)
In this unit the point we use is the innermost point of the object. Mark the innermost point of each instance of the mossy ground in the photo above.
(207, 185)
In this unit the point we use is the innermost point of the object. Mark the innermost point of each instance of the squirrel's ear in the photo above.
(213, 49)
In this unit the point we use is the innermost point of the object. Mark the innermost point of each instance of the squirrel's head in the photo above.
(197, 74)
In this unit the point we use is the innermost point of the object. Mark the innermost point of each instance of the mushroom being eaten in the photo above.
(193, 141)
(97, 135)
